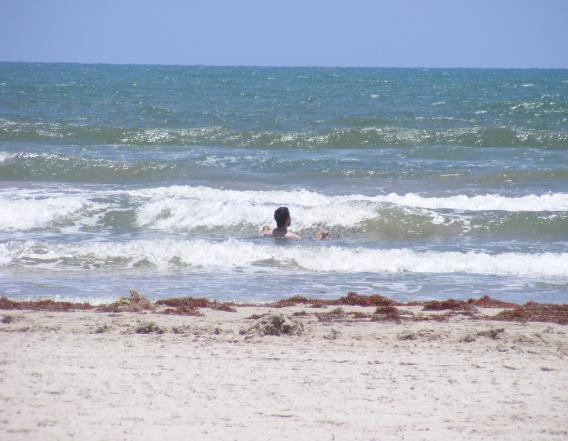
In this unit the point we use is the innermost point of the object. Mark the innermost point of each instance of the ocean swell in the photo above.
(343, 137)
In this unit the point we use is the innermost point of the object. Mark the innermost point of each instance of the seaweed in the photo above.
(277, 324)
(358, 300)
(8, 319)
(535, 312)
(148, 328)
(387, 313)
(102, 329)
(135, 302)
(492, 333)
(385, 308)
(436, 305)
(291, 301)
(182, 310)
(187, 305)
(43, 305)
(488, 302)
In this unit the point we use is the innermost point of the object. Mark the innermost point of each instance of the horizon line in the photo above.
(284, 66)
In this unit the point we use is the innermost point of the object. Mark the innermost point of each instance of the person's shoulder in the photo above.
(290, 235)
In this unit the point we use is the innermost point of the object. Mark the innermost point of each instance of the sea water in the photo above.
(433, 183)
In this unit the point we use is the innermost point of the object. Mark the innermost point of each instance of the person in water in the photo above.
(283, 221)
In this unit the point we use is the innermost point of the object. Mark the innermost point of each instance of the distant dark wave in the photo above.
(72, 168)
(171, 165)
(350, 137)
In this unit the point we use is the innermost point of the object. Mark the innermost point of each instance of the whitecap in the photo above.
(233, 254)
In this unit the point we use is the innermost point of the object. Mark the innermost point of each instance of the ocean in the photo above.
(433, 183)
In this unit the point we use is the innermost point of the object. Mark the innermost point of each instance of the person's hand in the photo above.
(323, 234)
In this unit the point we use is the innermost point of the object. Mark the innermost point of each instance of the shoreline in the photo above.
(363, 369)
(386, 309)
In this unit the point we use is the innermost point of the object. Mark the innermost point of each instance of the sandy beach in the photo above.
(333, 373)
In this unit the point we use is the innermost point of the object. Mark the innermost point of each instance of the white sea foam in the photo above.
(5, 156)
(487, 202)
(234, 254)
(28, 210)
(183, 208)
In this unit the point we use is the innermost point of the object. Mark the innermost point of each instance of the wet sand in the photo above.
(300, 371)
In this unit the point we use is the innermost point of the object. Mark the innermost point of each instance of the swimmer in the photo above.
(283, 221)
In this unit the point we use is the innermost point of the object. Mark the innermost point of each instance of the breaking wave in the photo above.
(235, 254)
(240, 213)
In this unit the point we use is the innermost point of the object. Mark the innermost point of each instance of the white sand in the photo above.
(59, 380)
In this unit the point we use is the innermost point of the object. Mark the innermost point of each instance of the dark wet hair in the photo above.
(281, 215)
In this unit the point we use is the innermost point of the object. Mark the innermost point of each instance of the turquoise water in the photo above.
(434, 183)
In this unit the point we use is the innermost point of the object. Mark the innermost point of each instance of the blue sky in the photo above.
(404, 33)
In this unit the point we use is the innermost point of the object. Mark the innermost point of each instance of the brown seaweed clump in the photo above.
(148, 328)
(387, 313)
(189, 305)
(358, 300)
(535, 312)
(488, 302)
(135, 302)
(292, 301)
(351, 299)
(451, 304)
(44, 305)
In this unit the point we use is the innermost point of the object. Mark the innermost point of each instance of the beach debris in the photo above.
(388, 313)
(546, 369)
(43, 305)
(535, 312)
(276, 324)
(102, 329)
(337, 311)
(468, 338)
(148, 328)
(488, 302)
(333, 333)
(292, 301)
(407, 335)
(436, 305)
(189, 305)
(7, 319)
(182, 310)
(492, 333)
(355, 299)
(386, 309)
(256, 316)
(423, 334)
(351, 299)
(135, 302)
(181, 329)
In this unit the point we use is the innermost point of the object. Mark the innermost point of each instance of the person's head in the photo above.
(282, 217)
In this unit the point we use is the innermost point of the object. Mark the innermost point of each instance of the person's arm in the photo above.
(322, 235)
